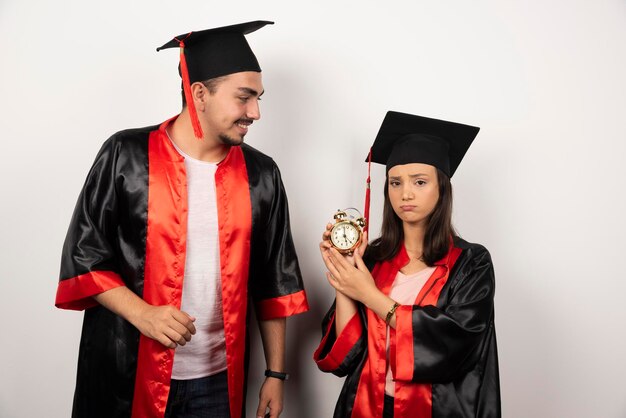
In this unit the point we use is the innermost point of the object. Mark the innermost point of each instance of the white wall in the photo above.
(542, 187)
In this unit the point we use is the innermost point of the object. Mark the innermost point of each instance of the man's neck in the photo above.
(205, 149)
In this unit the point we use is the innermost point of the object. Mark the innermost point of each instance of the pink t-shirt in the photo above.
(404, 290)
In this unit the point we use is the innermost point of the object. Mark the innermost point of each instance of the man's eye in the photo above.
(244, 98)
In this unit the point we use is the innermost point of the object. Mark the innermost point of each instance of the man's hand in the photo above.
(270, 396)
(165, 324)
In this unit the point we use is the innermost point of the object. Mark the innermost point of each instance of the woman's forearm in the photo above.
(345, 309)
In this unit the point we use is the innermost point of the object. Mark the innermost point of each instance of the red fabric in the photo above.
(368, 190)
(193, 114)
(282, 306)
(164, 268)
(342, 346)
(414, 397)
(165, 262)
(76, 293)
(371, 390)
(411, 399)
(235, 228)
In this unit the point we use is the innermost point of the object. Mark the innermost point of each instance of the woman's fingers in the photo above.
(359, 262)
(339, 260)
(363, 245)
(330, 264)
(326, 233)
(332, 281)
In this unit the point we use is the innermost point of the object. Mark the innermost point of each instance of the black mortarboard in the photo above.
(219, 51)
(405, 138)
(214, 53)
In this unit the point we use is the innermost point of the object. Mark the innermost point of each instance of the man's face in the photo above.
(232, 108)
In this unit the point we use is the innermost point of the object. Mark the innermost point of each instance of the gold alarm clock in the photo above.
(347, 232)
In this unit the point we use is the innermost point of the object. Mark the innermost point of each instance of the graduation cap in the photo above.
(404, 138)
(213, 53)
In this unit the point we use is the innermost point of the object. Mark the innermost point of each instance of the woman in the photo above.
(412, 326)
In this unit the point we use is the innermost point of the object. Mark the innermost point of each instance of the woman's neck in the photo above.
(414, 239)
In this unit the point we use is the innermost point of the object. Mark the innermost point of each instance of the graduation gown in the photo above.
(129, 229)
(442, 353)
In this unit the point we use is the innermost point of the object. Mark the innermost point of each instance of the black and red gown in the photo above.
(129, 229)
(442, 353)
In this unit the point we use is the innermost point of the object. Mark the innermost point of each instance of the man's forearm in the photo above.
(165, 324)
(123, 302)
(273, 335)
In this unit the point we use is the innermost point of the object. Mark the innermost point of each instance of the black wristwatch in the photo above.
(277, 375)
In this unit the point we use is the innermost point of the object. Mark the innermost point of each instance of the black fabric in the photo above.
(404, 138)
(108, 233)
(454, 344)
(219, 51)
(418, 148)
(388, 407)
(274, 268)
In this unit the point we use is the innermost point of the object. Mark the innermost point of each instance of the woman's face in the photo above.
(413, 191)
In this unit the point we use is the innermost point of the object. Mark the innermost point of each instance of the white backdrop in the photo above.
(542, 186)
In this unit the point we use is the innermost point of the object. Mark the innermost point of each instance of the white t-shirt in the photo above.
(404, 290)
(205, 354)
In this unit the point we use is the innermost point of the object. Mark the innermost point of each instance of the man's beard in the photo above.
(227, 140)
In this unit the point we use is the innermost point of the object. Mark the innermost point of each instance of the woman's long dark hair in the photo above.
(438, 228)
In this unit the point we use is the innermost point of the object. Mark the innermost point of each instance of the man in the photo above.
(176, 227)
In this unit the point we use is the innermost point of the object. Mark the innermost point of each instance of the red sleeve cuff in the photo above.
(404, 358)
(342, 345)
(76, 293)
(282, 306)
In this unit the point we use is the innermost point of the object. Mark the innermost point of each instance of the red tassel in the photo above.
(367, 192)
(193, 115)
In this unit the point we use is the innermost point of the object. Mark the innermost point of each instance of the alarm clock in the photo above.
(347, 232)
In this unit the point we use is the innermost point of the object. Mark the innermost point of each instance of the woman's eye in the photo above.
(394, 183)
(420, 182)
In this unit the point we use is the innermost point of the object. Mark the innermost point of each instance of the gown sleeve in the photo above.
(279, 292)
(88, 265)
(436, 344)
(340, 354)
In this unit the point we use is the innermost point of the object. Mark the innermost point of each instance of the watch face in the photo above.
(345, 235)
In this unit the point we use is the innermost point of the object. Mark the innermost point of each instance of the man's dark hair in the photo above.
(211, 85)
(439, 228)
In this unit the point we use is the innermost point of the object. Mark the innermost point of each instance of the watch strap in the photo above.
(277, 375)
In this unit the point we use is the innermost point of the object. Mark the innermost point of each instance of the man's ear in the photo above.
(199, 94)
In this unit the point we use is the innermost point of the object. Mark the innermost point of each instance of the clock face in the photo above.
(344, 235)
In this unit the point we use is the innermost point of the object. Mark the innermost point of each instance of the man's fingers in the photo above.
(260, 411)
(185, 319)
(181, 329)
(174, 336)
(163, 339)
